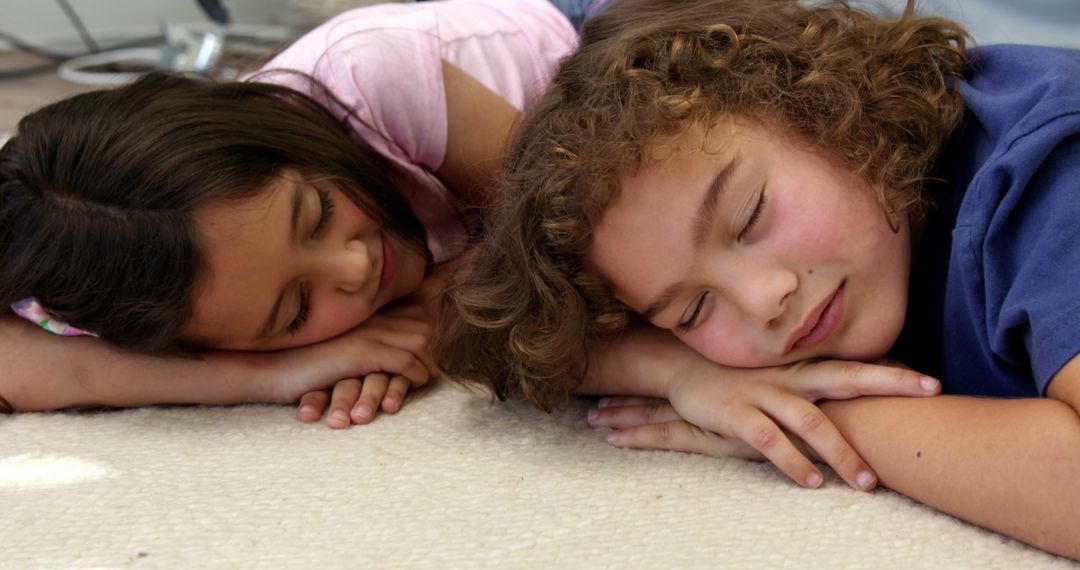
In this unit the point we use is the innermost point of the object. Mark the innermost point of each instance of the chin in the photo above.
(874, 344)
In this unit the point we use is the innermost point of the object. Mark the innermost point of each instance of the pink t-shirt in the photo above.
(385, 63)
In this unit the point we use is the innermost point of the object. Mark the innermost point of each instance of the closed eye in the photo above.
(302, 313)
(754, 217)
(691, 321)
(326, 209)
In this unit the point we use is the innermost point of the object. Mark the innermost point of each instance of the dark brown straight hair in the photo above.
(98, 191)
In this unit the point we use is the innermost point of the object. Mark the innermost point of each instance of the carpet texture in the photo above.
(452, 481)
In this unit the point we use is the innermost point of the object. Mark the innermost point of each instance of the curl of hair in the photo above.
(98, 193)
(877, 94)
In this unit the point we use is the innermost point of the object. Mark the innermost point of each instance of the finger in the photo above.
(345, 394)
(412, 334)
(312, 405)
(622, 417)
(843, 379)
(761, 432)
(813, 427)
(411, 311)
(370, 396)
(414, 341)
(680, 436)
(395, 394)
(402, 362)
(612, 401)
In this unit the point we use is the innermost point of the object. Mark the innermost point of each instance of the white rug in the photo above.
(452, 481)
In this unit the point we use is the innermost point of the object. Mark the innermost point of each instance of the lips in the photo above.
(819, 323)
(389, 265)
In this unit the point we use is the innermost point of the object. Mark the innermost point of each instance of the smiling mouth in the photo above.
(389, 263)
(819, 323)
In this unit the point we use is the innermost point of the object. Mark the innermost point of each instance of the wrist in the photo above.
(247, 377)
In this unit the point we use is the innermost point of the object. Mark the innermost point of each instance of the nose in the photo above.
(760, 290)
(347, 267)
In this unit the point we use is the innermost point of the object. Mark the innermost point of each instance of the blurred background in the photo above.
(50, 49)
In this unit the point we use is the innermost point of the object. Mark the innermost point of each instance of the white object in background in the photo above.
(192, 51)
(76, 70)
(184, 51)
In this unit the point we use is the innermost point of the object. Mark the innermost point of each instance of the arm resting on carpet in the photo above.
(752, 408)
(42, 371)
(1009, 465)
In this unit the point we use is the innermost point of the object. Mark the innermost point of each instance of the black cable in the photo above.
(33, 49)
(215, 11)
(78, 23)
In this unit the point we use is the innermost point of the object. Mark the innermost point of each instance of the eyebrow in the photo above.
(294, 224)
(703, 223)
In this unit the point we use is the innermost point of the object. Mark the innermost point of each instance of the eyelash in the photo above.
(685, 327)
(326, 209)
(302, 314)
(753, 218)
(691, 322)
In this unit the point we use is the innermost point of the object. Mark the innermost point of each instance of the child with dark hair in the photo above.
(290, 212)
(776, 186)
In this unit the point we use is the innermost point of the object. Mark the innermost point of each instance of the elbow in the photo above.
(1061, 450)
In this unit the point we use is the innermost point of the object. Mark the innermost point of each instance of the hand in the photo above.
(395, 346)
(355, 401)
(744, 412)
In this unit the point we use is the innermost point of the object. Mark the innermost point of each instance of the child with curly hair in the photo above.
(775, 186)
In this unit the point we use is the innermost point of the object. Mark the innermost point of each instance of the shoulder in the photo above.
(1013, 90)
(1023, 106)
(392, 33)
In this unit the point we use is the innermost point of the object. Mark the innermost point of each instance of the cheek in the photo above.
(808, 231)
(334, 315)
(725, 343)
(328, 318)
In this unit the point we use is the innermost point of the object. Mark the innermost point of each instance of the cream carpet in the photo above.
(452, 481)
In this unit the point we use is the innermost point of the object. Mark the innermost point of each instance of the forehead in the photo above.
(243, 243)
(644, 238)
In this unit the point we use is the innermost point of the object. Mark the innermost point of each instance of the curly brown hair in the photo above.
(878, 94)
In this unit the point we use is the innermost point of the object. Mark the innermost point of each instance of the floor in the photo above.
(20, 96)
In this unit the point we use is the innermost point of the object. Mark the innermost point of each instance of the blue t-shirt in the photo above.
(995, 290)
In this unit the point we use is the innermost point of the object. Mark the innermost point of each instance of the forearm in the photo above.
(641, 362)
(1009, 465)
(41, 371)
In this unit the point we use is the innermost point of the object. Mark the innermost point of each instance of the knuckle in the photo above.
(851, 377)
(665, 434)
(415, 340)
(812, 420)
(850, 370)
(767, 437)
(650, 413)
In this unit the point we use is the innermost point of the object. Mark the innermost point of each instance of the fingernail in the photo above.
(307, 411)
(613, 437)
(593, 414)
(341, 417)
(813, 480)
(864, 480)
(363, 412)
(929, 384)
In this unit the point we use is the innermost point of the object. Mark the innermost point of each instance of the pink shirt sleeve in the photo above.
(384, 62)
